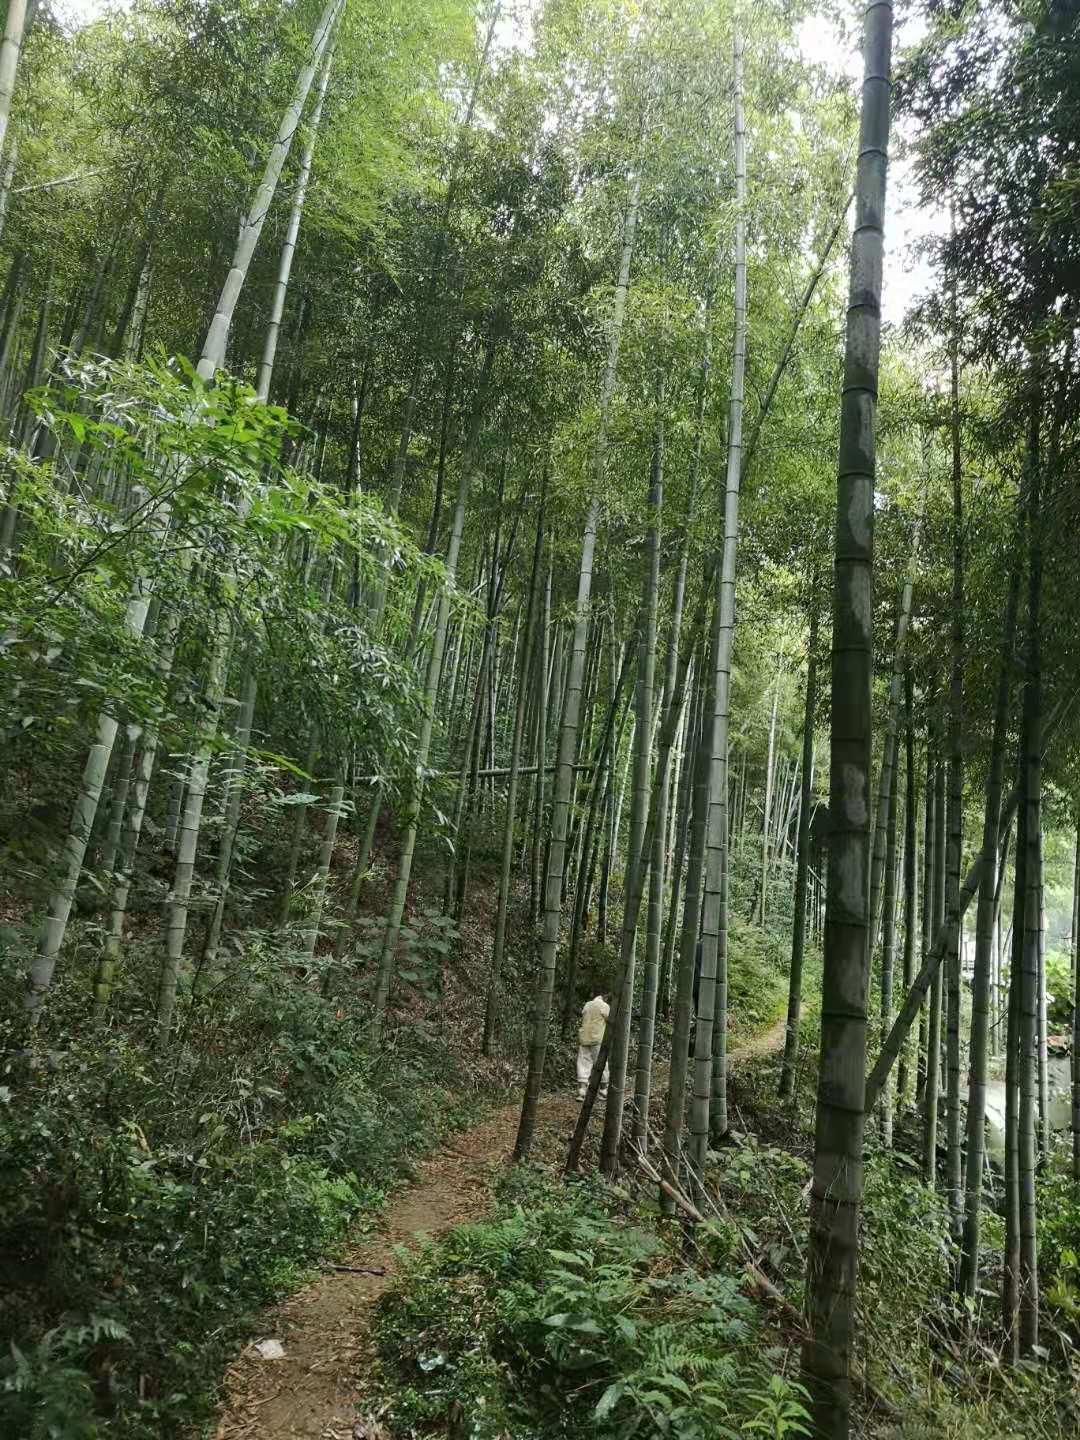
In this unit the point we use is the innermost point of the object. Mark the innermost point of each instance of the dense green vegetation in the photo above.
(579, 1309)
(148, 1212)
(429, 596)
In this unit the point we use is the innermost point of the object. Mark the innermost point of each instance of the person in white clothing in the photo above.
(594, 1014)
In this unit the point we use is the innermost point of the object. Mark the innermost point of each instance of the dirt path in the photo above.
(313, 1392)
(763, 1044)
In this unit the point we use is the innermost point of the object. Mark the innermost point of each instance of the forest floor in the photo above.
(315, 1390)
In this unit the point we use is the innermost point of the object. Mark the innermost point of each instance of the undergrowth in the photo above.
(936, 1362)
(150, 1203)
(758, 963)
(564, 1315)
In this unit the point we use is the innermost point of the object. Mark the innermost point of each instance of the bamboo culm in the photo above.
(989, 887)
(553, 877)
(712, 994)
(836, 1188)
(802, 863)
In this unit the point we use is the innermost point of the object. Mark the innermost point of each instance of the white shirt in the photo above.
(594, 1015)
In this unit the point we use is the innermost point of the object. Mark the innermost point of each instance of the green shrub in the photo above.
(1059, 1245)
(149, 1203)
(557, 1317)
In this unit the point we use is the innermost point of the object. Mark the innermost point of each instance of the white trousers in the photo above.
(586, 1055)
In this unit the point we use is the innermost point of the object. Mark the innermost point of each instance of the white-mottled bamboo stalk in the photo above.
(292, 231)
(213, 356)
(233, 799)
(179, 901)
(82, 823)
(10, 49)
(322, 873)
(105, 974)
(641, 853)
(5, 181)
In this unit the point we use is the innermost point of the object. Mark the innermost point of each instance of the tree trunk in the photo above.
(292, 231)
(35, 371)
(1076, 1013)
(105, 973)
(536, 849)
(937, 995)
(905, 1081)
(178, 903)
(802, 863)
(699, 761)
(770, 769)
(213, 356)
(1044, 1067)
(836, 1192)
(234, 796)
(1028, 1016)
(888, 950)
(564, 775)
(984, 944)
(954, 842)
(1010, 1293)
(82, 823)
(503, 905)
(7, 178)
(10, 48)
(887, 778)
(641, 860)
(708, 1110)
(692, 732)
(322, 873)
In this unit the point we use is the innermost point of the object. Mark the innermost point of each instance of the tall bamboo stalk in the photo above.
(564, 775)
(10, 49)
(640, 860)
(1075, 1113)
(905, 1080)
(984, 941)
(503, 904)
(955, 813)
(802, 862)
(1028, 1013)
(217, 337)
(888, 951)
(836, 1191)
(292, 232)
(712, 993)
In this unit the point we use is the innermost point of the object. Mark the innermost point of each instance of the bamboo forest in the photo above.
(540, 696)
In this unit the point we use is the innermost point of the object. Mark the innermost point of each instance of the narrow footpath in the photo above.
(313, 1392)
